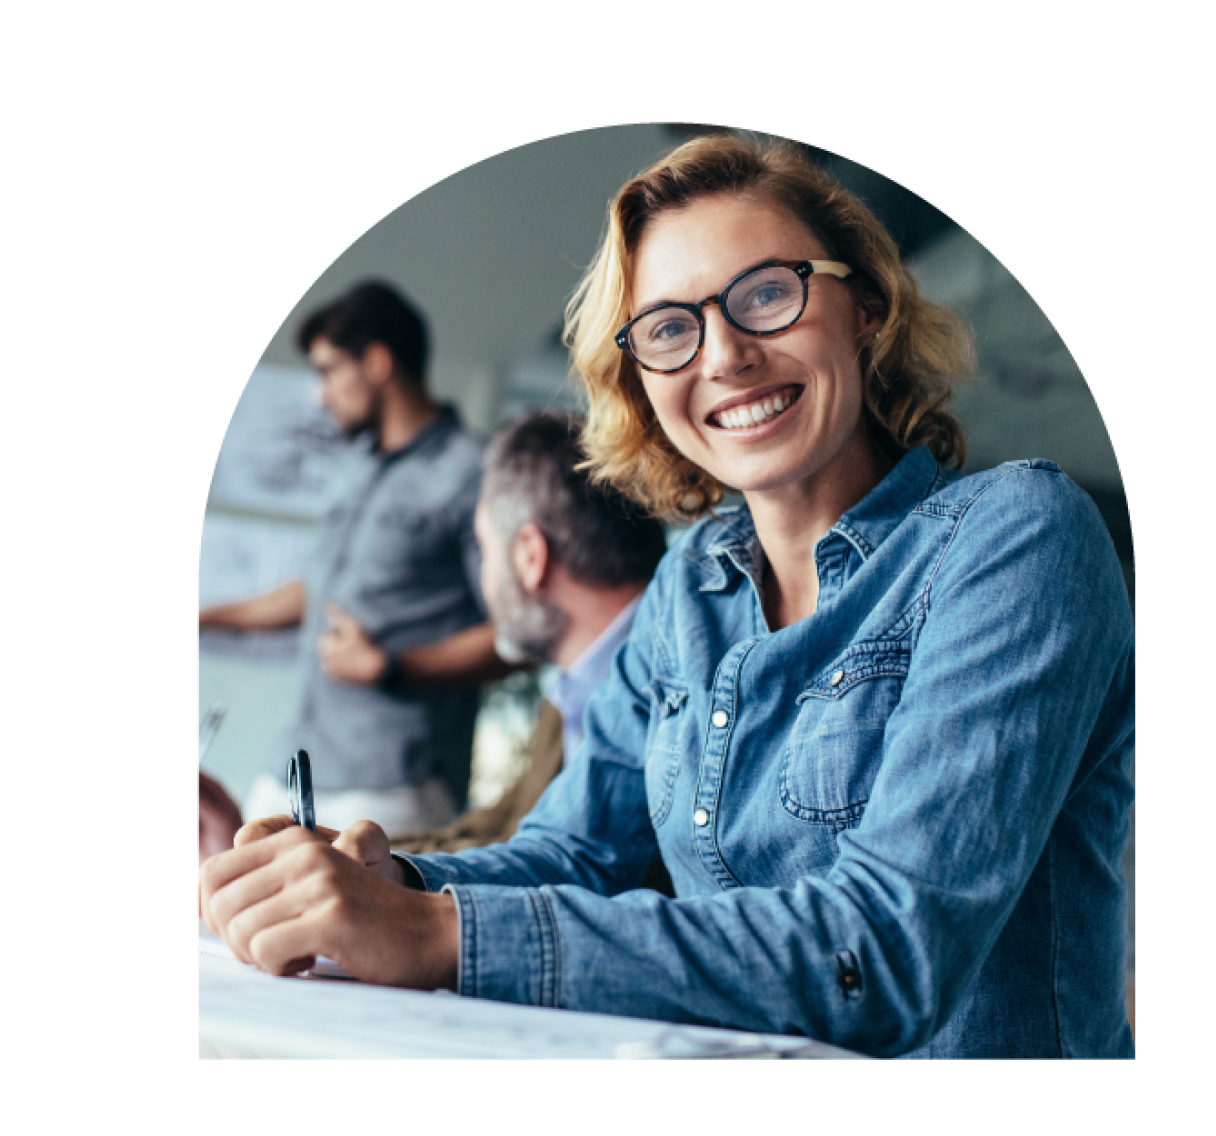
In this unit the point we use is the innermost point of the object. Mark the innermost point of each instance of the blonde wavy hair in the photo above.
(908, 370)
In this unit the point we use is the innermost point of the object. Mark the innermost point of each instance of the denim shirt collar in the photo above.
(864, 527)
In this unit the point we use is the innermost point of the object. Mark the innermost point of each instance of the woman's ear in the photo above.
(871, 315)
(530, 557)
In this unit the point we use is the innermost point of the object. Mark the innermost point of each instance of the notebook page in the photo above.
(324, 967)
(246, 1011)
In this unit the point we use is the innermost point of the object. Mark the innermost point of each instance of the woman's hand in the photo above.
(365, 842)
(282, 898)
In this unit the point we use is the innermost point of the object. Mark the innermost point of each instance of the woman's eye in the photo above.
(768, 295)
(669, 329)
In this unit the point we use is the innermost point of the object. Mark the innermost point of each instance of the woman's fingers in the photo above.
(219, 872)
(268, 826)
(234, 908)
(365, 842)
(274, 952)
(260, 829)
(274, 934)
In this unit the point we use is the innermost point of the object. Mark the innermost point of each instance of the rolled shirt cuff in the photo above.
(413, 877)
(508, 936)
(421, 876)
(509, 949)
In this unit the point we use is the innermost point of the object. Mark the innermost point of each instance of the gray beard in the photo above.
(526, 630)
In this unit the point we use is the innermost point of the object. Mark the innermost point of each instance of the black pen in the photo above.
(299, 790)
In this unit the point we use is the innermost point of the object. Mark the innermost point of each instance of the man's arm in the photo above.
(283, 607)
(466, 657)
(349, 654)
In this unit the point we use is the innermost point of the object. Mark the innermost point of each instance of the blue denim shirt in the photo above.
(895, 826)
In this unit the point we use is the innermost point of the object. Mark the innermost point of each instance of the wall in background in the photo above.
(491, 254)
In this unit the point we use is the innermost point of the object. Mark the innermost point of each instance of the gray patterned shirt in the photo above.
(397, 552)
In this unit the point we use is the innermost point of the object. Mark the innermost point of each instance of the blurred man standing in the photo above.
(396, 557)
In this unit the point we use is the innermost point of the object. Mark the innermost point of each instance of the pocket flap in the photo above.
(860, 662)
(668, 698)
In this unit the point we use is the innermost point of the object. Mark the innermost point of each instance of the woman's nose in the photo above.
(726, 350)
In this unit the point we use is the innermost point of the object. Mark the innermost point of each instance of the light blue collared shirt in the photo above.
(569, 690)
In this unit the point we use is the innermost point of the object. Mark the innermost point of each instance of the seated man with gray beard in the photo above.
(563, 566)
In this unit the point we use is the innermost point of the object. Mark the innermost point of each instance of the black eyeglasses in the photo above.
(760, 301)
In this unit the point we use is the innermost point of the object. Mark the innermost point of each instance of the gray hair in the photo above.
(533, 475)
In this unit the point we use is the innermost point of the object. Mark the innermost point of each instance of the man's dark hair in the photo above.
(531, 476)
(372, 312)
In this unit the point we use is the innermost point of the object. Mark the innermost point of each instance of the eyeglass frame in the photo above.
(803, 269)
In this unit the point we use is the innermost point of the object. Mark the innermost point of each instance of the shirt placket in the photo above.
(342, 541)
(724, 711)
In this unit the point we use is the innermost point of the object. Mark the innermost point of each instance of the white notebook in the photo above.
(247, 1013)
(212, 947)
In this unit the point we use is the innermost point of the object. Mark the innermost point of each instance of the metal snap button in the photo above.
(720, 718)
(848, 976)
(835, 679)
(700, 818)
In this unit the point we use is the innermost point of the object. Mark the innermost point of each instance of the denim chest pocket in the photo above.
(835, 748)
(668, 708)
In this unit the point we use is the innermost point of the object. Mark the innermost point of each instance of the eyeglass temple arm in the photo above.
(830, 268)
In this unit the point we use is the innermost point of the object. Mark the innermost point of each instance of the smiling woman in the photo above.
(867, 688)
(877, 719)
(912, 354)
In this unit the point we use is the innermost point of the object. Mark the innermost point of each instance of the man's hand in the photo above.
(347, 652)
(219, 818)
(282, 899)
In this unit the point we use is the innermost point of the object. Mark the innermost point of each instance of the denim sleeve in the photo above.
(1026, 626)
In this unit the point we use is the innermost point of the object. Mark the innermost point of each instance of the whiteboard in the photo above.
(280, 450)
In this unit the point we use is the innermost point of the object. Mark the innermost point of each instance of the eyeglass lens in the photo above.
(763, 301)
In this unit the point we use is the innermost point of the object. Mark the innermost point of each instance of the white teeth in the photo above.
(753, 415)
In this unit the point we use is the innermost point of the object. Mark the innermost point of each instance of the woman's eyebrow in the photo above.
(649, 305)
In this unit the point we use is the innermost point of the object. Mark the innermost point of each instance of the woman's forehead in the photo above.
(688, 253)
